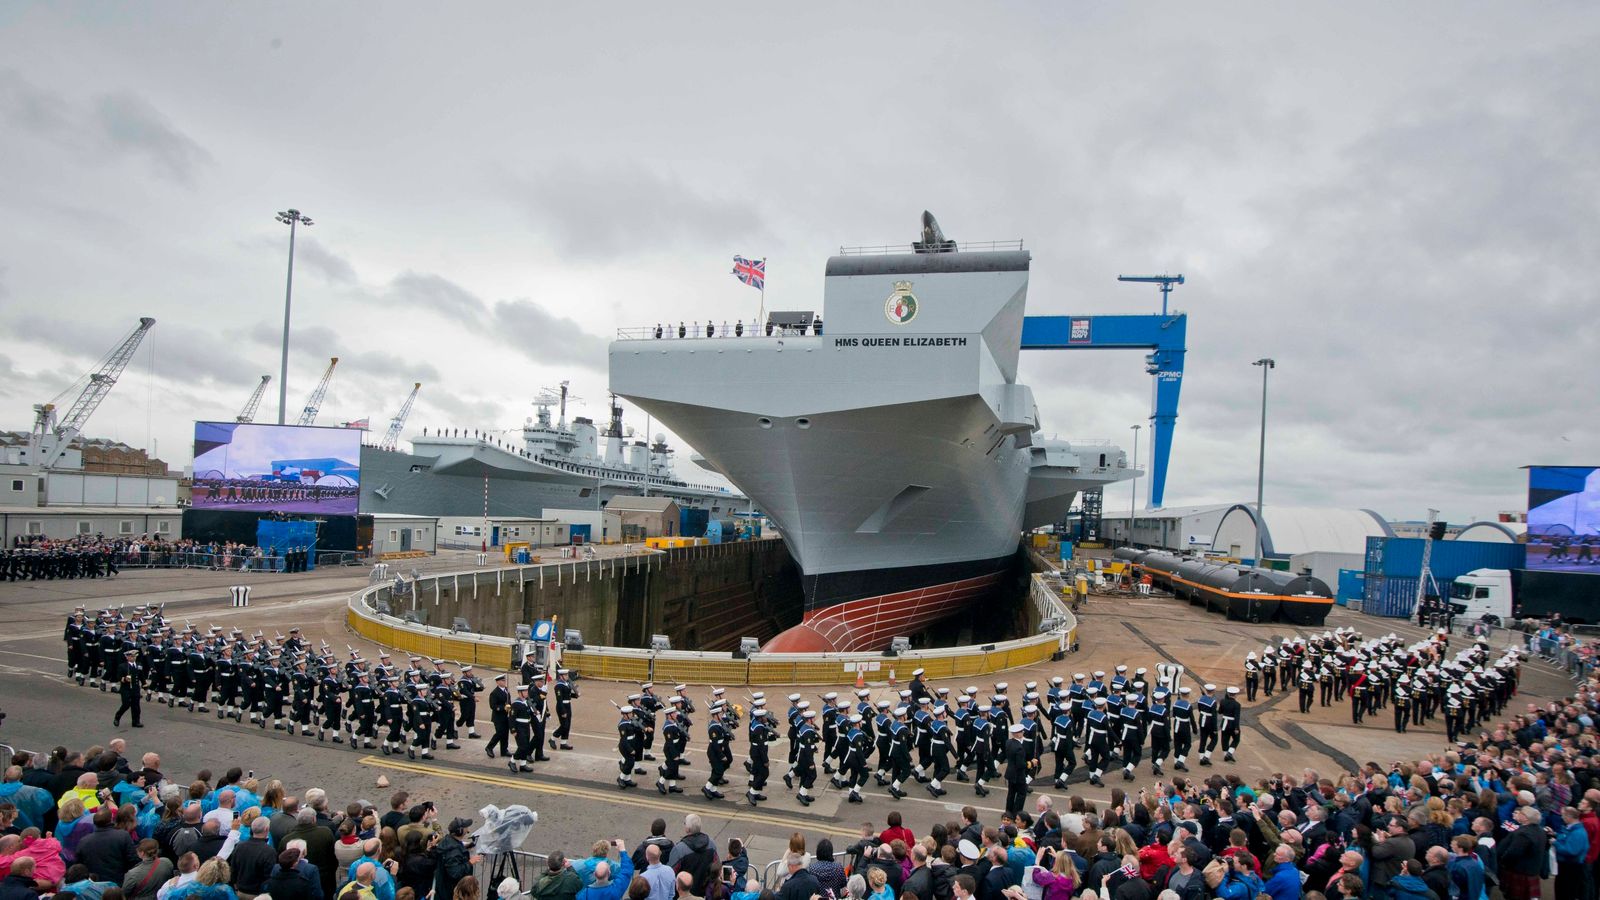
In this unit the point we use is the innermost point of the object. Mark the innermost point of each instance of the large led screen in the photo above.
(276, 468)
(1564, 518)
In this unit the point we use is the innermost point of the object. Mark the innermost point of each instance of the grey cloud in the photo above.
(434, 292)
(453, 410)
(591, 211)
(128, 121)
(25, 106)
(319, 259)
(545, 337)
(522, 324)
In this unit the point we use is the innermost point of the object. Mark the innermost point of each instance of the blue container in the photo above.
(522, 556)
(692, 522)
(581, 534)
(1403, 557)
(1352, 586)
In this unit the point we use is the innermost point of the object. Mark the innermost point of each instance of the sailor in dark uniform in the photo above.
(499, 718)
(271, 693)
(648, 704)
(1016, 770)
(1206, 713)
(1159, 720)
(1402, 704)
(1307, 681)
(674, 740)
(1358, 693)
(566, 692)
(468, 687)
(519, 720)
(981, 752)
(1182, 730)
(1269, 670)
(1230, 722)
(630, 740)
(853, 764)
(540, 703)
(939, 744)
(900, 738)
(421, 711)
(719, 750)
(227, 677)
(795, 717)
(827, 717)
(302, 683)
(1098, 740)
(1062, 742)
(805, 768)
(881, 723)
(1252, 676)
(363, 712)
(129, 688)
(1130, 736)
(444, 720)
(761, 734)
(394, 717)
(1325, 681)
(330, 696)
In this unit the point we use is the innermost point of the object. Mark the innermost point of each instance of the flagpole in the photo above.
(761, 314)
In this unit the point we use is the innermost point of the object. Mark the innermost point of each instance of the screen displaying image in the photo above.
(276, 468)
(1564, 518)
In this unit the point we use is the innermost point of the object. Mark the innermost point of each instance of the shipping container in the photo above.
(1352, 586)
(1391, 597)
(1403, 557)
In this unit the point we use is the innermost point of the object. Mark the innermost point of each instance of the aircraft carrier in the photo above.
(557, 466)
(895, 451)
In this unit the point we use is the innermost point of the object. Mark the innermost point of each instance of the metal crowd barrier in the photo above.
(494, 868)
(6, 753)
(1057, 636)
(192, 559)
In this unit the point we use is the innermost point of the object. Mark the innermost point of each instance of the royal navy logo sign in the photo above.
(901, 307)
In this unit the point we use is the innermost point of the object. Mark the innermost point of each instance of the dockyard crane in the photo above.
(1163, 334)
(392, 437)
(51, 437)
(248, 414)
(308, 415)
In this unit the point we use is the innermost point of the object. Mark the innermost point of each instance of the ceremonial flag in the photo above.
(751, 271)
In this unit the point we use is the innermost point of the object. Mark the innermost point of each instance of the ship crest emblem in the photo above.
(901, 307)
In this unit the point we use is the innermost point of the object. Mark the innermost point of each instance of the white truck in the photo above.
(1498, 595)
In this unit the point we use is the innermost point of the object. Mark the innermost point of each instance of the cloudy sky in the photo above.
(1397, 201)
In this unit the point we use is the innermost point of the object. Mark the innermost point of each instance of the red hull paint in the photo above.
(869, 623)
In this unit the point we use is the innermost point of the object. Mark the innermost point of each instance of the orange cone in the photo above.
(891, 678)
(861, 677)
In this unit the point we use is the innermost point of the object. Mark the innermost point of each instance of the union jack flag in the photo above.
(751, 271)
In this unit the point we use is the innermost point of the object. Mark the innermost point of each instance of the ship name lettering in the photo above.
(900, 342)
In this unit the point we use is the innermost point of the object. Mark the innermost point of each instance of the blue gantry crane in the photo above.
(1163, 335)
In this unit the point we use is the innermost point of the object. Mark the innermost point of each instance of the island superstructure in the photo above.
(894, 449)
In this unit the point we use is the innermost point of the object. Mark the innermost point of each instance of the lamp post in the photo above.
(291, 218)
(1261, 460)
(1133, 495)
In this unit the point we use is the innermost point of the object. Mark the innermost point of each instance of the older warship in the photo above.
(894, 450)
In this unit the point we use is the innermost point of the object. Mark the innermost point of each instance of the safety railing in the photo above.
(701, 331)
(963, 246)
(1056, 635)
(7, 753)
(186, 559)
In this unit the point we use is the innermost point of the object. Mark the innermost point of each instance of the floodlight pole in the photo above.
(291, 218)
(1261, 460)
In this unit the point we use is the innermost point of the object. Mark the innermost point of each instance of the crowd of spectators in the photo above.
(1510, 813)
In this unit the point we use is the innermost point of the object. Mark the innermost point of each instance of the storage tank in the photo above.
(1242, 594)
(1190, 571)
(1130, 554)
(1302, 599)
(1161, 567)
